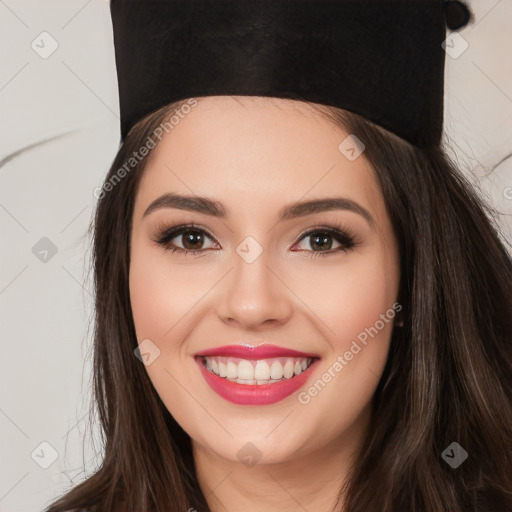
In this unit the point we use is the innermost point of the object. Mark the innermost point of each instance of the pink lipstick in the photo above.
(255, 375)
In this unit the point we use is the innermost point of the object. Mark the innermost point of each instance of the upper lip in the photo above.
(254, 352)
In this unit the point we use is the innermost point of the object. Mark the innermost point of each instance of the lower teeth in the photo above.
(254, 381)
(258, 382)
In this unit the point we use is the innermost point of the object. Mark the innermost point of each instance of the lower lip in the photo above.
(255, 394)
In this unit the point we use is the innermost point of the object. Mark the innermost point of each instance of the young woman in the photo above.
(296, 310)
(300, 302)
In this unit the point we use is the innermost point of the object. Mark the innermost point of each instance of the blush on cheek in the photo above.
(157, 296)
(148, 308)
(353, 302)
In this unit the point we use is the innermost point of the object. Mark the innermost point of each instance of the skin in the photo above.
(257, 155)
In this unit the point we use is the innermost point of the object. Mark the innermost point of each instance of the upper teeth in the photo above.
(262, 371)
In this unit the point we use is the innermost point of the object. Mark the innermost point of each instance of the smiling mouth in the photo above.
(256, 372)
(255, 375)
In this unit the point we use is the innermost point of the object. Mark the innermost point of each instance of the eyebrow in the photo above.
(216, 209)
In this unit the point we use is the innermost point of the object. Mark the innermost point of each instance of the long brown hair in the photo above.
(448, 376)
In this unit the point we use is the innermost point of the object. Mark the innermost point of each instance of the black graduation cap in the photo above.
(382, 59)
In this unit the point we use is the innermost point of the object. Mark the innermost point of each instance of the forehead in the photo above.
(266, 150)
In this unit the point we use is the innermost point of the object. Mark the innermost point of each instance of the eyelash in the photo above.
(336, 231)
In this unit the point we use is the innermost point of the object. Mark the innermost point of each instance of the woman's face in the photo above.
(267, 342)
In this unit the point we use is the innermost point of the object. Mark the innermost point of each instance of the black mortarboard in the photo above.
(382, 59)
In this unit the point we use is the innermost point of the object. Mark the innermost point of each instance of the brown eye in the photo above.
(321, 241)
(192, 239)
(184, 239)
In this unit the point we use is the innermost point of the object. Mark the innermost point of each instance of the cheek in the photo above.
(151, 300)
(162, 295)
(358, 305)
(351, 297)
(162, 301)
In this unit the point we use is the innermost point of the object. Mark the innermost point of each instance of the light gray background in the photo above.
(63, 110)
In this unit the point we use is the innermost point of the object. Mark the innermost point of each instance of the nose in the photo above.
(253, 296)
